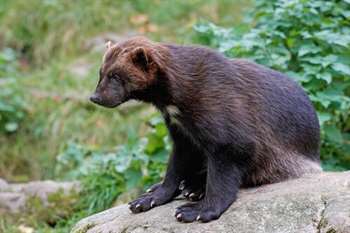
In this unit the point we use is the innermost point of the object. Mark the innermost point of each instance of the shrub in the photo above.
(310, 41)
(12, 108)
(105, 175)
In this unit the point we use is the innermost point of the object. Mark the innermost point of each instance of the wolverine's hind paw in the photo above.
(192, 191)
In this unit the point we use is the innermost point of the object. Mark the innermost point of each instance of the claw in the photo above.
(182, 185)
(201, 195)
(192, 195)
(137, 206)
(186, 194)
(149, 190)
(152, 203)
(178, 216)
(198, 218)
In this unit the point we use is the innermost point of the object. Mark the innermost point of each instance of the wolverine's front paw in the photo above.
(193, 189)
(155, 196)
(192, 192)
(197, 212)
(142, 204)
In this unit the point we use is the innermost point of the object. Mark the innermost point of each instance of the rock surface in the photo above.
(318, 203)
(13, 196)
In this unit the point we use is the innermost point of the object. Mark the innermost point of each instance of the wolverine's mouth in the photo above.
(111, 105)
(108, 104)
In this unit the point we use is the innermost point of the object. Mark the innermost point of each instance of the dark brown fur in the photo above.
(233, 123)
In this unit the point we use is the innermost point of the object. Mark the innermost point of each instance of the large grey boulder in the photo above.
(13, 197)
(318, 203)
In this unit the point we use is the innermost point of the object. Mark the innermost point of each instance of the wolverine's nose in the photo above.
(95, 98)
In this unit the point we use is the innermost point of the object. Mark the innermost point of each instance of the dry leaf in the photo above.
(152, 28)
(139, 19)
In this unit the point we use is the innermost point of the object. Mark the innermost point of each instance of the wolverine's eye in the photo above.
(116, 77)
(112, 75)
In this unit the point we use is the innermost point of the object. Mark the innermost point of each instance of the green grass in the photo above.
(58, 112)
(50, 37)
(46, 28)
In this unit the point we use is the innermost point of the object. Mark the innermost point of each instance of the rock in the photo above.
(12, 202)
(317, 203)
(3, 185)
(13, 196)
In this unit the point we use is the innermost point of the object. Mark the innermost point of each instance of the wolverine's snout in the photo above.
(95, 98)
(105, 102)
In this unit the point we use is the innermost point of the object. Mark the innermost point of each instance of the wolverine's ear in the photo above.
(109, 44)
(141, 58)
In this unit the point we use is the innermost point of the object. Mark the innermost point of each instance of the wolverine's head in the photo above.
(128, 67)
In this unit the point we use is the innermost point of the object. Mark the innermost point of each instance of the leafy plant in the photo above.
(12, 108)
(310, 41)
(106, 175)
(59, 206)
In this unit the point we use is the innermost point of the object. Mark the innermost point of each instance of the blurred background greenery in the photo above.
(50, 52)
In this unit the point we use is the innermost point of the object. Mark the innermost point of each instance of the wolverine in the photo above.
(233, 123)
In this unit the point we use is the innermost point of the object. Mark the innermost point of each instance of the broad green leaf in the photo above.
(333, 133)
(161, 130)
(325, 76)
(308, 49)
(333, 37)
(297, 76)
(133, 178)
(346, 13)
(122, 163)
(161, 157)
(11, 126)
(325, 102)
(342, 68)
(323, 117)
(154, 143)
(156, 120)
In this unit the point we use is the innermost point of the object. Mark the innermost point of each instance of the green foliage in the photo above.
(59, 206)
(310, 41)
(103, 175)
(12, 108)
(106, 175)
(7, 225)
(58, 45)
(58, 209)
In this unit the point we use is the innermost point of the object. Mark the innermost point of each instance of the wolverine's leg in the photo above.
(226, 168)
(184, 165)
